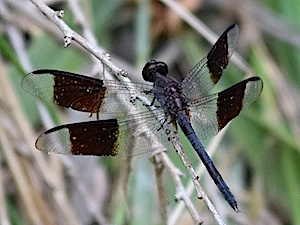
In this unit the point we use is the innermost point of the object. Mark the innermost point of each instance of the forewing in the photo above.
(115, 137)
(208, 71)
(211, 114)
(83, 93)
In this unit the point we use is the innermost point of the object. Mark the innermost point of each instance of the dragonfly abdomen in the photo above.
(189, 132)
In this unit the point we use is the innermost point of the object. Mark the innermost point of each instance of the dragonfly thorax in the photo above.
(169, 94)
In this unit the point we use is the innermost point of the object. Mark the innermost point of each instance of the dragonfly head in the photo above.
(153, 67)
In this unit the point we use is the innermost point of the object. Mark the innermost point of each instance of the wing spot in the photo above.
(89, 89)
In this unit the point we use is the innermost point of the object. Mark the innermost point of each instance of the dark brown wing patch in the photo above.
(218, 57)
(99, 138)
(231, 101)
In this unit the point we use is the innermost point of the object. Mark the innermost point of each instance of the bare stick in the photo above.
(70, 35)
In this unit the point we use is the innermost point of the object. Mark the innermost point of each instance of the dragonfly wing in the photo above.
(211, 114)
(83, 93)
(208, 71)
(132, 135)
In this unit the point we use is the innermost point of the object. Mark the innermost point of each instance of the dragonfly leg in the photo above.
(97, 115)
(162, 124)
(153, 100)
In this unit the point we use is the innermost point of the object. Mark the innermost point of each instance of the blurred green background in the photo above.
(258, 156)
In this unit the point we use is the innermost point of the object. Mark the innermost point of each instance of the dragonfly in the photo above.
(184, 103)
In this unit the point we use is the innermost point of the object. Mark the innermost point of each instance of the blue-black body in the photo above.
(168, 92)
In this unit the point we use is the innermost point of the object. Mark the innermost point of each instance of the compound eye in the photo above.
(153, 67)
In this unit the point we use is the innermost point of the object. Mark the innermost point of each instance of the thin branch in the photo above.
(70, 35)
(195, 179)
(180, 190)
(163, 202)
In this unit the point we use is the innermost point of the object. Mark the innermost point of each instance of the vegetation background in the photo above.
(258, 155)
